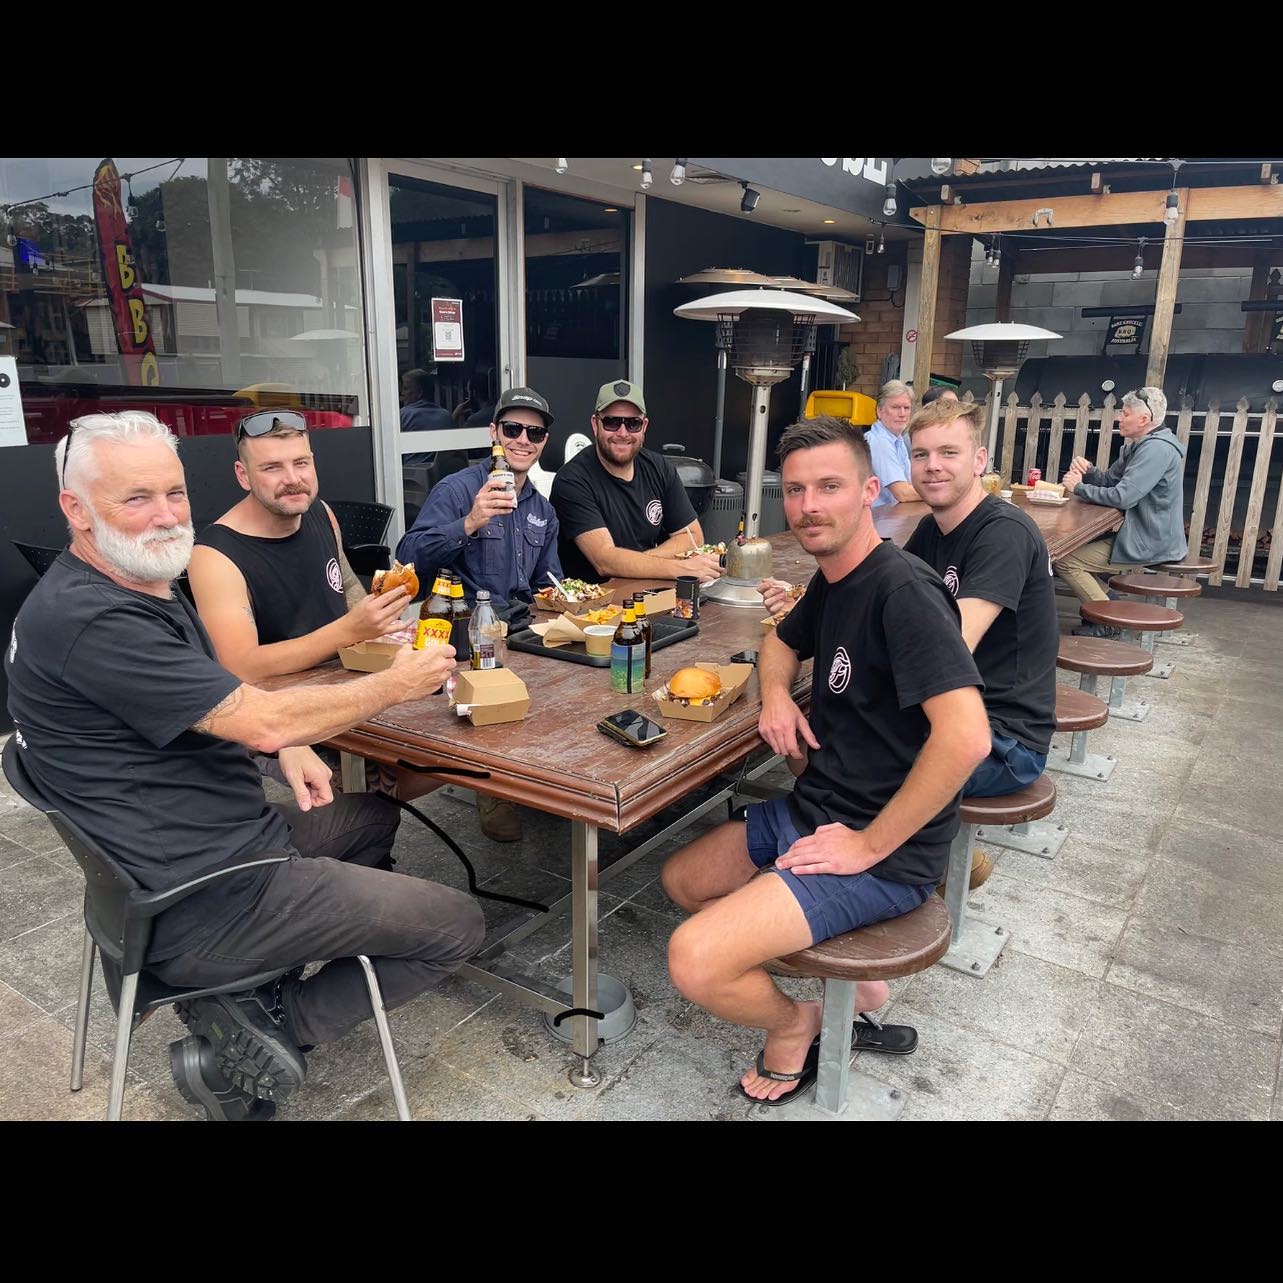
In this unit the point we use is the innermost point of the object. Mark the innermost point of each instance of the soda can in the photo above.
(1035, 476)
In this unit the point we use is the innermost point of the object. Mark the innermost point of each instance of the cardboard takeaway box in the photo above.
(734, 680)
(368, 656)
(491, 695)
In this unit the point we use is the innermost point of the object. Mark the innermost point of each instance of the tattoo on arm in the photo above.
(353, 593)
(228, 705)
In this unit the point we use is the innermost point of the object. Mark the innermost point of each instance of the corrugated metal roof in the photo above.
(1012, 164)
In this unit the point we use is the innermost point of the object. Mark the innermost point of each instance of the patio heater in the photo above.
(834, 294)
(765, 333)
(999, 349)
(723, 276)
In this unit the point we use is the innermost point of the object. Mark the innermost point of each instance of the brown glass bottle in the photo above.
(639, 609)
(460, 621)
(435, 615)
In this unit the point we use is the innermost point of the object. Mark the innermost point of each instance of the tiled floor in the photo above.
(1143, 979)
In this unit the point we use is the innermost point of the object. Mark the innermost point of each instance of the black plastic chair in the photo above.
(119, 915)
(363, 527)
(37, 557)
(40, 559)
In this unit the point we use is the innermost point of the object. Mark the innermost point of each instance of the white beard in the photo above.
(147, 558)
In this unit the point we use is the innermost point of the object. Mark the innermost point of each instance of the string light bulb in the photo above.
(647, 178)
(1139, 265)
(678, 176)
(561, 166)
(889, 206)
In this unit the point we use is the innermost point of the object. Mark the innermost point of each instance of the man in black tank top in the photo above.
(272, 585)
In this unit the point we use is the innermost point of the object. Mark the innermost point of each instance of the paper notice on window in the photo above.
(447, 329)
(13, 427)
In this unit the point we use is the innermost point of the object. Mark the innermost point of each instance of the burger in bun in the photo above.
(694, 686)
(398, 577)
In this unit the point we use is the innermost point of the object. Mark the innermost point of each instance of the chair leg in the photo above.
(82, 1012)
(120, 1057)
(835, 1047)
(385, 1039)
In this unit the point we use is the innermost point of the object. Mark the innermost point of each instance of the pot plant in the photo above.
(845, 370)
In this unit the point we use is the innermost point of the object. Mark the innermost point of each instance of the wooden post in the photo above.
(1165, 304)
(927, 300)
(1258, 325)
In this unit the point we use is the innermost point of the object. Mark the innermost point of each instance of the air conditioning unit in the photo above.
(841, 266)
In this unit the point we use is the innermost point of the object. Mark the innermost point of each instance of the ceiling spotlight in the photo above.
(646, 178)
(941, 165)
(678, 176)
(889, 205)
(830, 220)
(562, 165)
(748, 202)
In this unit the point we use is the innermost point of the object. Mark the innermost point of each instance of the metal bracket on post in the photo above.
(976, 944)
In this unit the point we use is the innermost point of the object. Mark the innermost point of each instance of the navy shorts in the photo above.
(1009, 767)
(834, 903)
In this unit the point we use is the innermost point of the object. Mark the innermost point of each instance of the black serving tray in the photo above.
(664, 632)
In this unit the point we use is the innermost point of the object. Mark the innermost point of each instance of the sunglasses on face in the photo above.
(513, 430)
(260, 424)
(614, 422)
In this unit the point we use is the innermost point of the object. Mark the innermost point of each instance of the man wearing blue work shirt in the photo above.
(887, 446)
(504, 544)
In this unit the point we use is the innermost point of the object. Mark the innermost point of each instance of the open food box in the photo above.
(733, 678)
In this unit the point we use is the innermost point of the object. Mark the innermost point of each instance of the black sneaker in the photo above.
(253, 1050)
(1098, 630)
(199, 1082)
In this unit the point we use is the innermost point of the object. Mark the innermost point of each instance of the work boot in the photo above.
(247, 1032)
(500, 820)
(981, 868)
(199, 1081)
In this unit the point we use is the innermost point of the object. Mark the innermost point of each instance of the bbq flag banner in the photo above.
(124, 291)
(1125, 332)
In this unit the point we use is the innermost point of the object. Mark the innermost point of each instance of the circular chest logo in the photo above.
(654, 512)
(334, 575)
(951, 580)
(840, 672)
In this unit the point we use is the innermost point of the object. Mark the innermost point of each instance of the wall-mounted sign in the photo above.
(1124, 333)
(447, 329)
(13, 428)
(1276, 338)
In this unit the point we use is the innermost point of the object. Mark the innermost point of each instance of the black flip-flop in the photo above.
(804, 1077)
(893, 1040)
(866, 1035)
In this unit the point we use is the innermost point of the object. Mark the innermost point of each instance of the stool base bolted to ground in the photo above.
(1132, 618)
(1029, 836)
(1189, 569)
(1162, 591)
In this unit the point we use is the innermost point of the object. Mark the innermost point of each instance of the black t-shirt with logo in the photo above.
(884, 638)
(640, 514)
(295, 583)
(998, 555)
(105, 685)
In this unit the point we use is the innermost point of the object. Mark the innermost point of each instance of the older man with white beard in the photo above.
(127, 723)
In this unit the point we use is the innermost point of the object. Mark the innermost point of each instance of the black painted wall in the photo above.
(681, 362)
(29, 510)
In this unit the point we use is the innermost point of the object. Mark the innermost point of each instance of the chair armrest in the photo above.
(148, 904)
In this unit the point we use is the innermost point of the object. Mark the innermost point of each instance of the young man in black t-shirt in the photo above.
(993, 560)
(623, 510)
(896, 726)
(128, 725)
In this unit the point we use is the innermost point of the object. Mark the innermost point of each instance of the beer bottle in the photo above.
(628, 654)
(435, 615)
(484, 633)
(460, 619)
(500, 469)
(639, 609)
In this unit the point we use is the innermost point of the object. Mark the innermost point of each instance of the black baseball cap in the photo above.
(523, 399)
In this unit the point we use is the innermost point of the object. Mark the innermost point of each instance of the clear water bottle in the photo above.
(484, 632)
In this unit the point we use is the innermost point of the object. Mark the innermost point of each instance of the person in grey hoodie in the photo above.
(1146, 482)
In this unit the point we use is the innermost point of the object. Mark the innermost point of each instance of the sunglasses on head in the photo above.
(266, 421)
(66, 452)
(614, 422)
(512, 430)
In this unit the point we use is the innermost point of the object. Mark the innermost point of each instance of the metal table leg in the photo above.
(583, 948)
